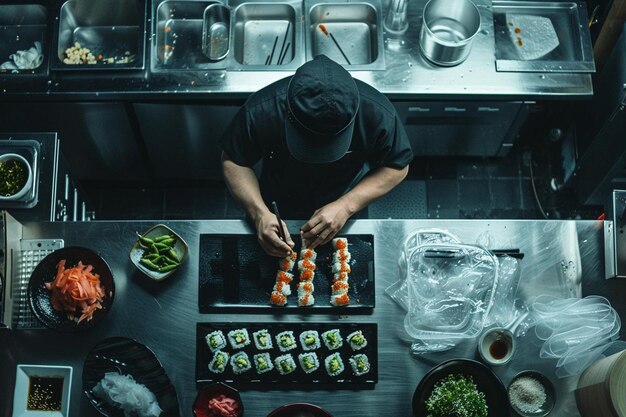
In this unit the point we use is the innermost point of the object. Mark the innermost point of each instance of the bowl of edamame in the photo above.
(158, 252)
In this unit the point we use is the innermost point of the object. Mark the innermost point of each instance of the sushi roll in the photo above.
(286, 264)
(340, 300)
(219, 362)
(308, 254)
(340, 243)
(340, 287)
(286, 341)
(285, 364)
(360, 364)
(306, 264)
(332, 339)
(342, 256)
(240, 363)
(262, 339)
(357, 340)
(278, 299)
(216, 340)
(263, 363)
(310, 340)
(306, 300)
(238, 338)
(282, 288)
(334, 364)
(285, 277)
(307, 275)
(341, 276)
(341, 267)
(305, 287)
(308, 362)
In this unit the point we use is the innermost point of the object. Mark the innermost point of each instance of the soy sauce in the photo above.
(498, 349)
(44, 393)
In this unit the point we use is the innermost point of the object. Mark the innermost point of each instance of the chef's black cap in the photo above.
(322, 102)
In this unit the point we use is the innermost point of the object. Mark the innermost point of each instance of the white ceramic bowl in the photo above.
(29, 179)
(22, 382)
(496, 346)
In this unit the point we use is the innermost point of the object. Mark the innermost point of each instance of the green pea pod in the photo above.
(144, 241)
(169, 241)
(167, 268)
(149, 264)
(151, 256)
(168, 261)
(172, 255)
(161, 245)
(163, 237)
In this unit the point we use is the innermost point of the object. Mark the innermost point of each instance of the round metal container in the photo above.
(448, 28)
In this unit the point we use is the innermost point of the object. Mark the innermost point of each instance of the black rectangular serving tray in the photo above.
(318, 378)
(236, 273)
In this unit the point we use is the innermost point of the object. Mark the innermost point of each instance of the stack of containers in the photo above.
(283, 278)
(306, 266)
(341, 270)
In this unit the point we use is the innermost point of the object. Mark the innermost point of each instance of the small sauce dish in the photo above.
(496, 346)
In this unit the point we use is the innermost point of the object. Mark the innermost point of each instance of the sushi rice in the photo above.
(334, 364)
(340, 243)
(262, 339)
(240, 363)
(263, 363)
(341, 267)
(282, 288)
(332, 339)
(360, 364)
(341, 276)
(305, 287)
(308, 362)
(286, 341)
(307, 275)
(340, 300)
(310, 340)
(278, 298)
(357, 340)
(219, 362)
(340, 287)
(306, 300)
(309, 254)
(342, 256)
(238, 338)
(285, 364)
(306, 264)
(283, 276)
(286, 264)
(216, 340)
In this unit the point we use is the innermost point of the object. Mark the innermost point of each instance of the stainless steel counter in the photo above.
(407, 75)
(163, 315)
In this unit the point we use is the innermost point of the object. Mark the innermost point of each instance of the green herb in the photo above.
(456, 396)
(13, 176)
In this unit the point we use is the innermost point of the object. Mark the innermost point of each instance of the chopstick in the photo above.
(282, 48)
(339, 47)
(281, 60)
(281, 231)
(273, 50)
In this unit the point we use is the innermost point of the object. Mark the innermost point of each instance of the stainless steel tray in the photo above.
(573, 52)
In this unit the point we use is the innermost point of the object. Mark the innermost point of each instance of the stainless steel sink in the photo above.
(111, 29)
(348, 32)
(267, 35)
(20, 27)
(184, 34)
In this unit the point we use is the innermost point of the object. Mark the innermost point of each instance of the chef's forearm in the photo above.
(244, 186)
(375, 185)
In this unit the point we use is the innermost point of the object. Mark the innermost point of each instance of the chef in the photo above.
(329, 145)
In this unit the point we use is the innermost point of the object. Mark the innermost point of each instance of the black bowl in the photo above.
(486, 381)
(45, 271)
(290, 410)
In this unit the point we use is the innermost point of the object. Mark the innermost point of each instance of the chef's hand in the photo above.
(324, 224)
(268, 235)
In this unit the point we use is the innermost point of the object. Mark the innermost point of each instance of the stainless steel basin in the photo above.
(20, 27)
(267, 36)
(183, 34)
(348, 32)
(111, 30)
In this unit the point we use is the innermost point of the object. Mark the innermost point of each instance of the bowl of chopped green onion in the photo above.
(158, 252)
(16, 177)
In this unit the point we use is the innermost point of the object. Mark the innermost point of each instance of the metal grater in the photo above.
(31, 252)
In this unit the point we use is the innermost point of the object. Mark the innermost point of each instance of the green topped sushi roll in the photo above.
(240, 362)
(357, 340)
(285, 364)
(219, 362)
(263, 363)
(238, 338)
(262, 339)
(308, 362)
(216, 340)
(310, 340)
(334, 364)
(360, 364)
(286, 341)
(332, 339)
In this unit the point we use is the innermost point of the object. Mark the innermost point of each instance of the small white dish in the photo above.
(29, 176)
(23, 377)
(496, 346)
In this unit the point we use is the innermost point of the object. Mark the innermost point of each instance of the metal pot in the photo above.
(448, 28)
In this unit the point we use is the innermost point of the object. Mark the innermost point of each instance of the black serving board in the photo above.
(319, 377)
(236, 273)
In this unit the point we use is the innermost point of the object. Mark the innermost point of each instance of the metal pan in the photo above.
(216, 32)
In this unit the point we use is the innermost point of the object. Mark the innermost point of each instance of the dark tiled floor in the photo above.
(444, 188)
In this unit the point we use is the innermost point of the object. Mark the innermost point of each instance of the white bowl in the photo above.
(29, 179)
(22, 382)
(501, 338)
